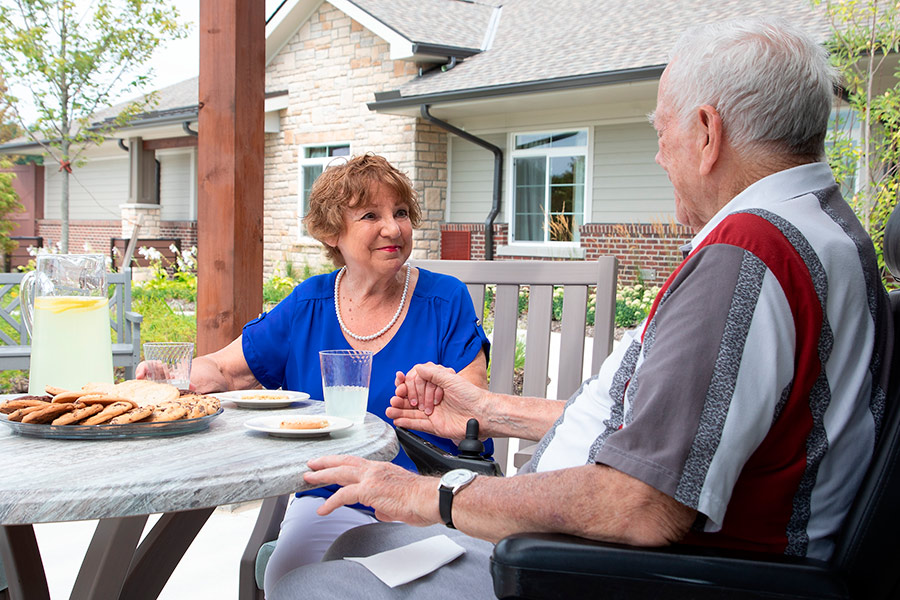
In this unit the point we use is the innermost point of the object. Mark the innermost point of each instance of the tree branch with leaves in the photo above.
(864, 146)
(66, 59)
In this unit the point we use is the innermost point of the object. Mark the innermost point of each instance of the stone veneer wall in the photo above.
(331, 68)
(645, 251)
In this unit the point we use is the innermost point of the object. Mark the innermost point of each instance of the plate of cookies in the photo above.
(105, 410)
(263, 398)
(299, 425)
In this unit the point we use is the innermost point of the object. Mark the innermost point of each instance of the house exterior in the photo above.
(522, 124)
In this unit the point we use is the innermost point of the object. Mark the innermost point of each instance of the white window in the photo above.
(548, 186)
(314, 160)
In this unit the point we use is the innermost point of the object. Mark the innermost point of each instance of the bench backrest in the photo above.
(118, 247)
(576, 278)
(10, 309)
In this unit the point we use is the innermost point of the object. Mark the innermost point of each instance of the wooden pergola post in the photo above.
(230, 169)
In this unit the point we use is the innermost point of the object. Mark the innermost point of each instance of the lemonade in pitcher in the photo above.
(66, 312)
(71, 344)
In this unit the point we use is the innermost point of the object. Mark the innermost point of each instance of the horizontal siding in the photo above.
(472, 179)
(628, 184)
(177, 186)
(95, 190)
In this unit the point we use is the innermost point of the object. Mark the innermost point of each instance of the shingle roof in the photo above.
(538, 40)
(174, 99)
(458, 23)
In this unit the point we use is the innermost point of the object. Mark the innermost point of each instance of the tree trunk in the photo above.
(64, 203)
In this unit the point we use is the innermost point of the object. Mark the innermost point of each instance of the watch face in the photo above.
(456, 477)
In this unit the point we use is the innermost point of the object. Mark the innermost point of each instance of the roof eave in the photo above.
(189, 113)
(387, 101)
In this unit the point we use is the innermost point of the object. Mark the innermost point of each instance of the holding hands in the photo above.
(434, 399)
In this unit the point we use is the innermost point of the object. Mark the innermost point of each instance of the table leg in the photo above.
(22, 561)
(161, 551)
(108, 557)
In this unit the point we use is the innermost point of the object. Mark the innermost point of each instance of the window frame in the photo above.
(512, 154)
(303, 162)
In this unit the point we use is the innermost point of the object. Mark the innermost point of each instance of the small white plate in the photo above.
(272, 425)
(263, 398)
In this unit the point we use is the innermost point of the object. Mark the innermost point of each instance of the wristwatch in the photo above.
(451, 483)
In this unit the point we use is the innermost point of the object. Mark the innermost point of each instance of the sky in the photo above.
(180, 59)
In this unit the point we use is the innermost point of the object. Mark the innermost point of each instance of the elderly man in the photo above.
(743, 411)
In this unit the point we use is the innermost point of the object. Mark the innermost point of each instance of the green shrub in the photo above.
(633, 304)
(162, 323)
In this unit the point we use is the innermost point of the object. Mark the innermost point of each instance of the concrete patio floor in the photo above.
(209, 569)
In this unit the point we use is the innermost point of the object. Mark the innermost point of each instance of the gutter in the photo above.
(498, 172)
(393, 99)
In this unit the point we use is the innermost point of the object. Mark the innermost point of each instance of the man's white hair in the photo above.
(771, 83)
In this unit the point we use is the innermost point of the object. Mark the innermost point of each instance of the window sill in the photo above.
(542, 251)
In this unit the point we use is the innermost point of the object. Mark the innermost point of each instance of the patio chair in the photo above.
(864, 564)
(575, 278)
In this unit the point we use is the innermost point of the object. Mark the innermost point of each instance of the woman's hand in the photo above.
(395, 493)
(420, 392)
(460, 401)
(155, 370)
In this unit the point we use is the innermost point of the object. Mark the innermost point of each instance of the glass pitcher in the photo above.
(66, 313)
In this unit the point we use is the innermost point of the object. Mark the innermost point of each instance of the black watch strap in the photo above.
(445, 506)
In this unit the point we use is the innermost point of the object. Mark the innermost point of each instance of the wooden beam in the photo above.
(185, 141)
(230, 169)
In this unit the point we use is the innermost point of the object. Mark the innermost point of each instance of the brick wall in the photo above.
(646, 251)
(331, 68)
(97, 234)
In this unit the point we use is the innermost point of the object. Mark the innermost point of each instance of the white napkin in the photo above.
(402, 565)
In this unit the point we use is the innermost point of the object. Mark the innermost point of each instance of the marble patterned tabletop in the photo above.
(47, 480)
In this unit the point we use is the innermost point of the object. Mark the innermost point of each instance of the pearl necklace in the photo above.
(366, 338)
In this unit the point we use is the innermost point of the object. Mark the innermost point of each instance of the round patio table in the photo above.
(122, 481)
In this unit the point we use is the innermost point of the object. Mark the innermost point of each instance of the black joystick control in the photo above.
(471, 447)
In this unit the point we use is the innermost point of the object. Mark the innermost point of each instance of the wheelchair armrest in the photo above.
(431, 460)
(560, 566)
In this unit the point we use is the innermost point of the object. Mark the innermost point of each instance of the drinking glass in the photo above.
(345, 382)
(169, 362)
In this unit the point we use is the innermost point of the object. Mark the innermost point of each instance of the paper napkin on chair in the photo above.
(406, 563)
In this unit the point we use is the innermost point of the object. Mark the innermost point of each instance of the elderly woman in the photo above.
(363, 212)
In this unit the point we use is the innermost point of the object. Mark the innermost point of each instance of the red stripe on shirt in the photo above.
(761, 504)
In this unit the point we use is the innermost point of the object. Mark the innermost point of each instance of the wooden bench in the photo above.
(118, 247)
(15, 350)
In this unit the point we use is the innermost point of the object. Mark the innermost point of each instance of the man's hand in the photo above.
(460, 401)
(395, 493)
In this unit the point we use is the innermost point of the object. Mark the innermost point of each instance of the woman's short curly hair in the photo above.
(348, 185)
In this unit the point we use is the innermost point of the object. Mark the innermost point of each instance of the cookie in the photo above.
(67, 396)
(53, 390)
(81, 411)
(173, 412)
(305, 424)
(18, 415)
(99, 388)
(132, 416)
(113, 410)
(105, 400)
(145, 392)
(48, 413)
(22, 402)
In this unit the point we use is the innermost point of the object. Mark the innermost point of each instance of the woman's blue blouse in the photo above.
(282, 346)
